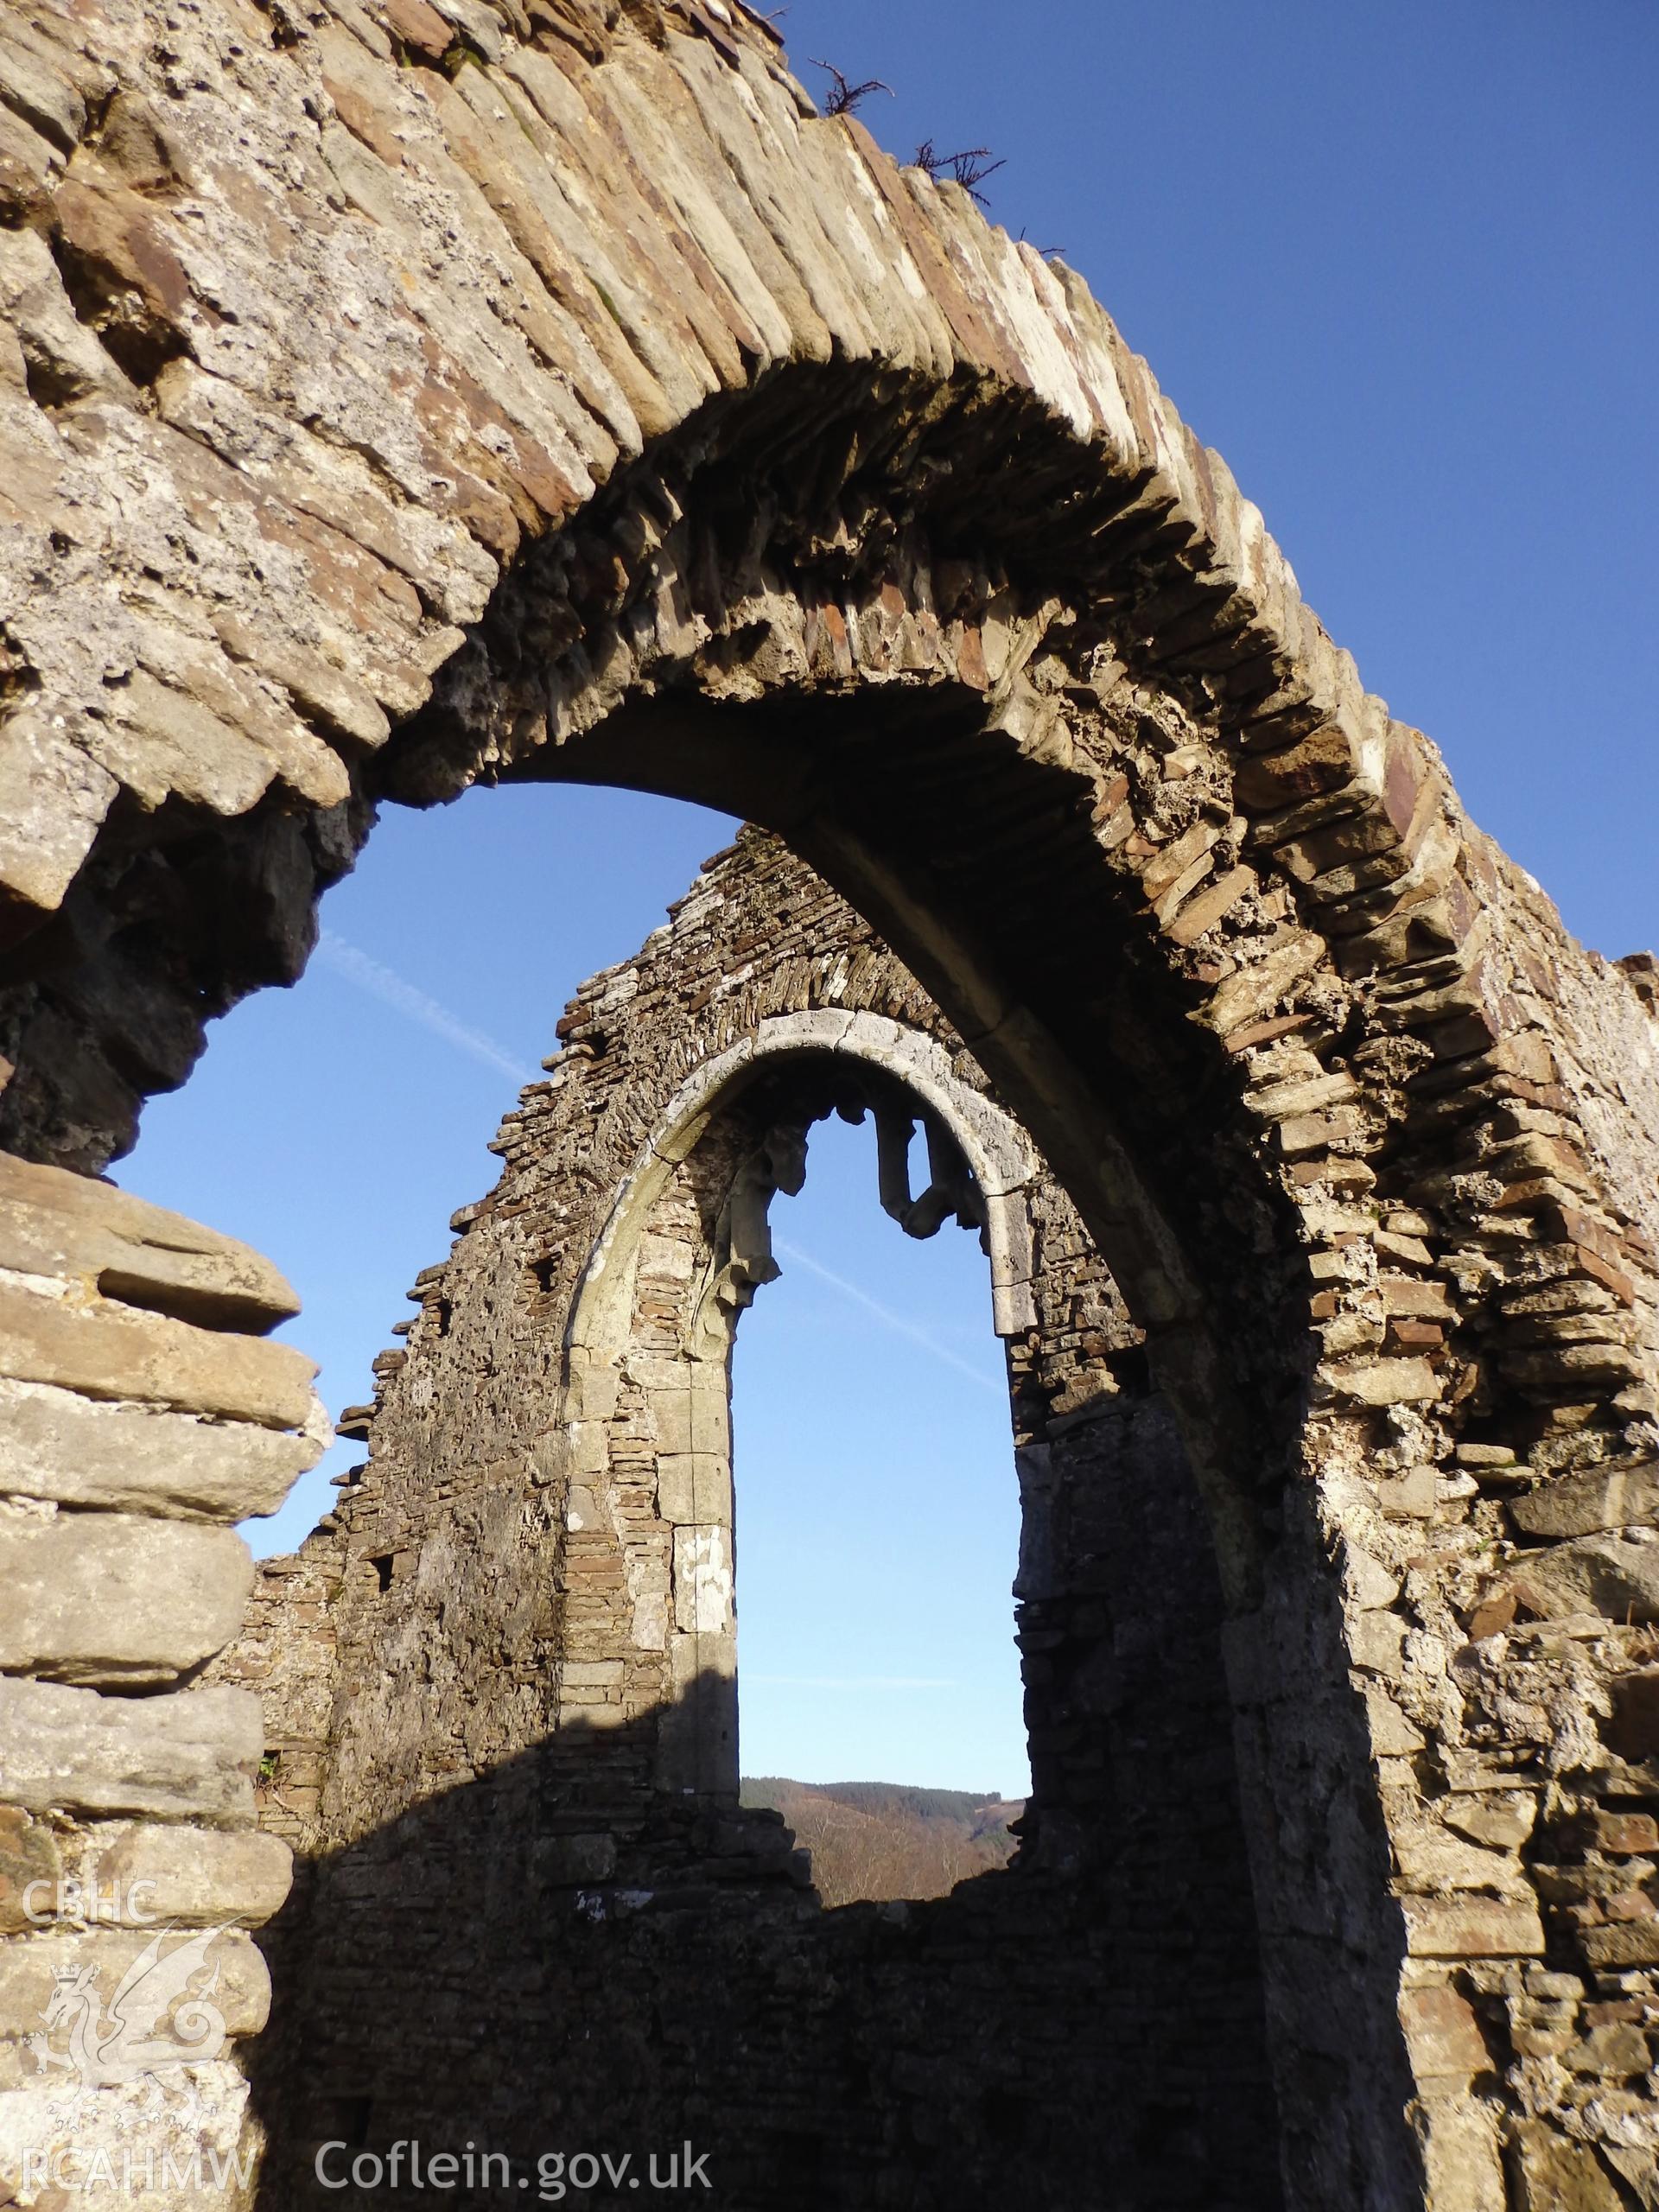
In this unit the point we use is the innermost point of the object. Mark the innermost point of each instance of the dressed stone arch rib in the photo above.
(394, 400)
(995, 1150)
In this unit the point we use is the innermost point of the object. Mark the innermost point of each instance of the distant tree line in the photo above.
(882, 1840)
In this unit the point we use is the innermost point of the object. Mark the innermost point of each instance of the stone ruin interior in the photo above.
(399, 395)
(512, 1649)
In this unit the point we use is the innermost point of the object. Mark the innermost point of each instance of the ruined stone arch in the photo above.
(993, 1148)
(798, 1069)
(393, 401)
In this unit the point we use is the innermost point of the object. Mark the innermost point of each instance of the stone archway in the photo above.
(505, 1670)
(686, 441)
(675, 1335)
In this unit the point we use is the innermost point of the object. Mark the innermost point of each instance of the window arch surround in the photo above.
(686, 1247)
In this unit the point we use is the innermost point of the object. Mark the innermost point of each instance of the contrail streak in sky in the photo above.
(896, 1322)
(392, 989)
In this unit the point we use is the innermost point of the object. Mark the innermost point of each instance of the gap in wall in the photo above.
(877, 1531)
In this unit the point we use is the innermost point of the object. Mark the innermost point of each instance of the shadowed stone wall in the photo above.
(140, 1414)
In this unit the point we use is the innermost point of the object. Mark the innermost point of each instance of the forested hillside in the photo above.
(887, 1839)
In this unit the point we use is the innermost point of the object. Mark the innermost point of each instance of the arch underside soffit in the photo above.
(399, 401)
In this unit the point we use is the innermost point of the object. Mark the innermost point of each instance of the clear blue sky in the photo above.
(1397, 263)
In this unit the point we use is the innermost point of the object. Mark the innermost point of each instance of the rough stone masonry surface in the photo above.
(398, 396)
